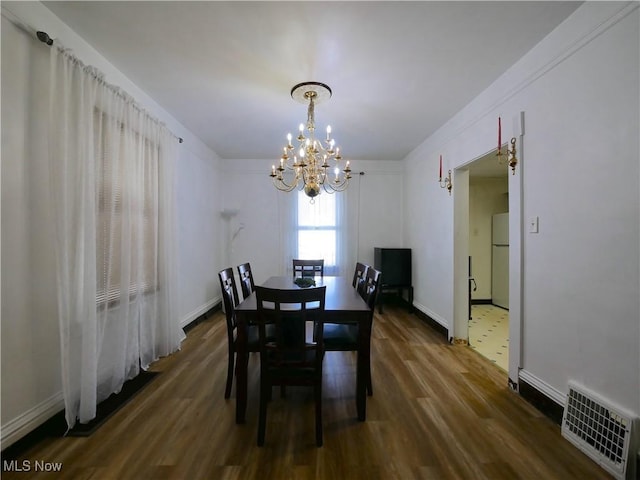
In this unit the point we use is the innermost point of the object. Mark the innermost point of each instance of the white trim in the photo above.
(543, 58)
(516, 258)
(434, 316)
(28, 421)
(191, 316)
(543, 387)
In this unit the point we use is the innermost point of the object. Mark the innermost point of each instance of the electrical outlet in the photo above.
(533, 225)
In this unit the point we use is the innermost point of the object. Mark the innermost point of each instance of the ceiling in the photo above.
(398, 70)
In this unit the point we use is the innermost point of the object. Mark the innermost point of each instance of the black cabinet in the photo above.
(395, 265)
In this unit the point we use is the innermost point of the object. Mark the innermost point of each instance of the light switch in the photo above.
(533, 225)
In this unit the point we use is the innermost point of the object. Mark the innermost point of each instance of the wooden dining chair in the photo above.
(341, 337)
(359, 275)
(230, 301)
(308, 268)
(246, 279)
(288, 357)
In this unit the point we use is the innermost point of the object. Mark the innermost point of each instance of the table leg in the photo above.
(364, 352)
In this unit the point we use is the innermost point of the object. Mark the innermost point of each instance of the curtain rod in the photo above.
(45, 38)
(41, 35)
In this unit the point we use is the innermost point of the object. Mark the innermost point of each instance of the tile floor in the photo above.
(489, 333)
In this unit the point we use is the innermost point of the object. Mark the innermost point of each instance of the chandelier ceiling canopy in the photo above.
(316, 165)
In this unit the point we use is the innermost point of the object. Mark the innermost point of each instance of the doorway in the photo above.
(489, 259)
(472, 184)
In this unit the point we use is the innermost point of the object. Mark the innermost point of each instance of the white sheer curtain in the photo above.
(111, 170)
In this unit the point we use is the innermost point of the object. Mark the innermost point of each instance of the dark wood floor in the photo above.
(439, 411)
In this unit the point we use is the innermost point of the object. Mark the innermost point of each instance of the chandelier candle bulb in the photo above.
(328, 132)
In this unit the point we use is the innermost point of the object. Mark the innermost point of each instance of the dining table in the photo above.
(343, 304)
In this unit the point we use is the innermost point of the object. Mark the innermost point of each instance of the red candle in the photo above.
(499, 134)
(440, 167)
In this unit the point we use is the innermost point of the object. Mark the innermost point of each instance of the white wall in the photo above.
(378, 210)
(200, 243)
(29, 332)
(487, 196)
(253, 231)
(579, 89)
(31, 386)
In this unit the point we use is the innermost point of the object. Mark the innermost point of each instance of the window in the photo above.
(318, 229)
(126, 216)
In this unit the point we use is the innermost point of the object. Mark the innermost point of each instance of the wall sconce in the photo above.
(447, 180)
(511, 154)
(513, 161)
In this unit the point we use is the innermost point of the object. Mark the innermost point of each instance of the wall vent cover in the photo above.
(598, 429)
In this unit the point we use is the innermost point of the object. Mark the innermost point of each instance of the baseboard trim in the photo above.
(211, 305)
(30, 420)
(201, 318)
(481, 301)
(418, 310)
(542, 396)
(42, 419)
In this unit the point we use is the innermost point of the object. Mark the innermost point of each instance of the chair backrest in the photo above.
(359, 275)
(246, 279)
(229, 297)
(308, 268)
(371, 287)
(289, 311)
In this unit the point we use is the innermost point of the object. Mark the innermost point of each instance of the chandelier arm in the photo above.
(339, 188)
(289, 166)
(279, 183)
(332, 189)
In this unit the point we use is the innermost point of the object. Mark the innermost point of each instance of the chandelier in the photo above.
(310, 167)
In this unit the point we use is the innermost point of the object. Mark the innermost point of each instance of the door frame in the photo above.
(461, 255)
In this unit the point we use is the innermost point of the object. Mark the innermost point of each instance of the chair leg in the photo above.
(369, 383)
(227, 390)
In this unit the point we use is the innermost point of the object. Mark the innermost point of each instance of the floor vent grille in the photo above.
(601, 431)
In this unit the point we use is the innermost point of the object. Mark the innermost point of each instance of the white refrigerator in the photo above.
(500, 260)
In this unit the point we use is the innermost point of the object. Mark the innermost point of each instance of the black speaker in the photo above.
(395, 265)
